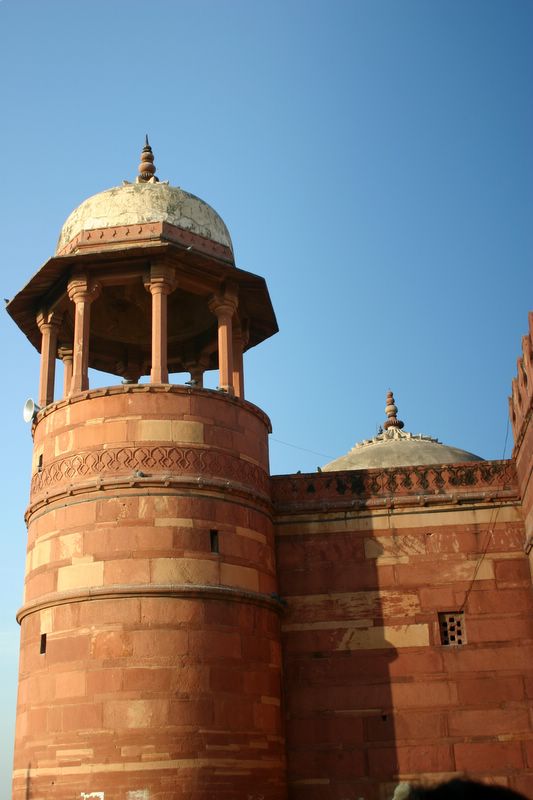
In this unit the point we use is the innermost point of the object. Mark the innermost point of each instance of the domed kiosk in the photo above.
(123, 245)
(394, 447)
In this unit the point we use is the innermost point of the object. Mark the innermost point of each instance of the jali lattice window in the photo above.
(452, 627)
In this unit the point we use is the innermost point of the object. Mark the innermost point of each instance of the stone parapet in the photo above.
(521, 399)
(521, 414)
(398, 486)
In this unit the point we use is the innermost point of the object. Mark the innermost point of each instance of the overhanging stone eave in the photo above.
(48, 285)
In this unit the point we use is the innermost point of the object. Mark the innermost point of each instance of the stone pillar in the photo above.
(160, 283)
(65, 354)
(224, 307)
(197, 368)
(48, 322)
(82, 292)
(240, 340)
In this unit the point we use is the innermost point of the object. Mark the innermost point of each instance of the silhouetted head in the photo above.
(458, 789)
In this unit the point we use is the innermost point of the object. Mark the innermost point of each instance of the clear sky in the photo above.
(372, 159)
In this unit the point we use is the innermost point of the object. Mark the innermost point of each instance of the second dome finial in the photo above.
(147, 166)
(391, 410)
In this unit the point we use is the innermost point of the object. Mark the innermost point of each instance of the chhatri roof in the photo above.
(148, 200)
(115, 239)
(394, 447)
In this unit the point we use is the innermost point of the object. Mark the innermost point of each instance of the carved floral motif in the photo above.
(364, 485)
(194, 461)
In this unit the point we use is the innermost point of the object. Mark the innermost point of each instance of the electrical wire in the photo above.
(490, 533)
(304, 449)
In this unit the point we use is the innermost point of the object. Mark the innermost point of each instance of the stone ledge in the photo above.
(179, 591)
(152, 388)
(150, 482)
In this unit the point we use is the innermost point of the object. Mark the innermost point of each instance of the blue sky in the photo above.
(372, 160)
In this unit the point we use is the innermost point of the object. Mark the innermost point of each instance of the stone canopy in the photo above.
(119, 237)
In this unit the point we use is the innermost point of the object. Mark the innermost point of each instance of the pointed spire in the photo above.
(147, 166)
(391, 410)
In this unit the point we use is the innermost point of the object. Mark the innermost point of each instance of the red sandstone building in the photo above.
(196, 628)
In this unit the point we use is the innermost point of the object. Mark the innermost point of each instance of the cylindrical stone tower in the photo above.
(150, 650)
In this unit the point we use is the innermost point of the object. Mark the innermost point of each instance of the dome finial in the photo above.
(391, 410)
(147, 166)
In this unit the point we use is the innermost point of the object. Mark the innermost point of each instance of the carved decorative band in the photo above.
(362, 486)
(179, 591)
(174, 460)
(151, 231)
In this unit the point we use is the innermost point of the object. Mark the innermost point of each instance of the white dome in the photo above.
(395, 448)
(142, 203)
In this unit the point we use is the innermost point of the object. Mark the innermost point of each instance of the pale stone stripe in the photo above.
(356, 605)
(134, 766)
(270, 701)
(248, 533)
(336, 624)
(91, 574)
(413, 517)
(384, 637)
(161, 430)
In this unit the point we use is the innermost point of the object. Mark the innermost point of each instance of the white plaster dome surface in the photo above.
(141, 203)
(396, 448)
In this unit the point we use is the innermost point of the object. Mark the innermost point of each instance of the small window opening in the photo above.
(42, 649)
(40, 463)
(213, 538)
(452, 628)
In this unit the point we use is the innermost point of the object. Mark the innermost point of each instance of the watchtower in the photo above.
(150, 650)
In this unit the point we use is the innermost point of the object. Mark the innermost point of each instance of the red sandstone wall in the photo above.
(162, 665)
(521, 411)
(366, 561)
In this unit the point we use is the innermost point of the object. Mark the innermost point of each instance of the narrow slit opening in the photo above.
(213, 539)
(42, 649)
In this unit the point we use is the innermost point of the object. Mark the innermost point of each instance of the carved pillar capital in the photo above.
(83, 290)
(160, 280)
(64, 353)
(223, 305)
(49, 319)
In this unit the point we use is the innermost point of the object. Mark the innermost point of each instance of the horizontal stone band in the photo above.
(153, 484)
(178, 591)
